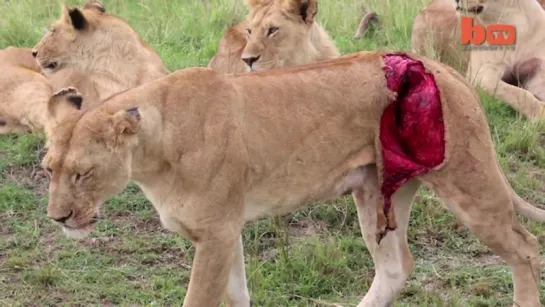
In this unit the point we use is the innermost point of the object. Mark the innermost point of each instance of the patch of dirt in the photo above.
(304, 228)
(29, 175)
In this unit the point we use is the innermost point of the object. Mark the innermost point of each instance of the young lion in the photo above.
(207, 177)
(521, 64)
(436, 30)
(102, 45)
(513, 74)
(276, 33)
(25, 94)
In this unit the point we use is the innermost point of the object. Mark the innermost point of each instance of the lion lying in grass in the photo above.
(97, 53)
(436, 32)
(101, 45)
(512, 76)
(25, 93)
(210, 151)
(499, 71)
(276, 33)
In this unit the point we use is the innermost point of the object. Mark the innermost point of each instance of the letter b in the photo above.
(474, 34)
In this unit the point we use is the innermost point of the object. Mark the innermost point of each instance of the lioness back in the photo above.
(276, 33)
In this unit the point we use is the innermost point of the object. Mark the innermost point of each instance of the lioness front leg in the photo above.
(237, 288)
(518, 98)
(392, 258)
(210, 271)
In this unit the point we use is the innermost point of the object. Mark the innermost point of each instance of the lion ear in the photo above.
(74, 17)
(124, 125)
(126, 122)
(306, 9)
(96, 5)
(69, 95)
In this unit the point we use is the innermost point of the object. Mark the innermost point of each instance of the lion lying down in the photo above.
(211, 151)
(514, 75)
(25, 93)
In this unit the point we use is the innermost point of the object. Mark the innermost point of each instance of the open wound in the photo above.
(412, 132)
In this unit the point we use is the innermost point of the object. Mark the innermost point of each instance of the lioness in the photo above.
(17, 66)
(491, 69)
(436, 31)
(25, 95)
(513, 74)
(276, 33)
(101, 45)
(210, 151)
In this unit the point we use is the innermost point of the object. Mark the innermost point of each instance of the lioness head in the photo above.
(70, 38)
(88, 160)
(278, 32)
(471, 7)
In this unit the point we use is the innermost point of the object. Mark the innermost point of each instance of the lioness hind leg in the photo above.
(392, 257)
(489, 213)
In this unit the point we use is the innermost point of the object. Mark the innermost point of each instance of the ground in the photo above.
(314, 257)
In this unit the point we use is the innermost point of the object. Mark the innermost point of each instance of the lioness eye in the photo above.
(78, 176)
(249, 31)
(272, 30)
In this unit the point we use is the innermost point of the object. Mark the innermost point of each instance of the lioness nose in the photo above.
(34, 53)
(251, 60)
(63, 219)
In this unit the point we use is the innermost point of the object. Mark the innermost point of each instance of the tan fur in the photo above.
(210, 151)
(486, 69)
(25, 93)
(436, 34)
(106, 48)
(299, 39)
(491, 68)
(104, 57)
(22, 87)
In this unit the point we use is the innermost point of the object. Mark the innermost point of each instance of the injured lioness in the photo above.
(210, 151)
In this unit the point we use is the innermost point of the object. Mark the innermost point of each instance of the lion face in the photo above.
(71, 39)
(88, 160)
(277, 30)
(471, 7)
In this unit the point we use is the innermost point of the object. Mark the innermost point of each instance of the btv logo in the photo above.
(498, 34)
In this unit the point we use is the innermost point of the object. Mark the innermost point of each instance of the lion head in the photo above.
(69, 39)
(283, 33)
(88, 160)
(474, 7)
(102, 45)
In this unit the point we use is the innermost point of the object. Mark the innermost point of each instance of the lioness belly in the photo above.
(282, 198)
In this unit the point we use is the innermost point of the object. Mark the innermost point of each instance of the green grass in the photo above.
(314, 257)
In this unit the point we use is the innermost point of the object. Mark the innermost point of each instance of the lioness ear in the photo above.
(97, 5)
(307, 9)
(65, 95)
(126, 121)
(74, 17)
